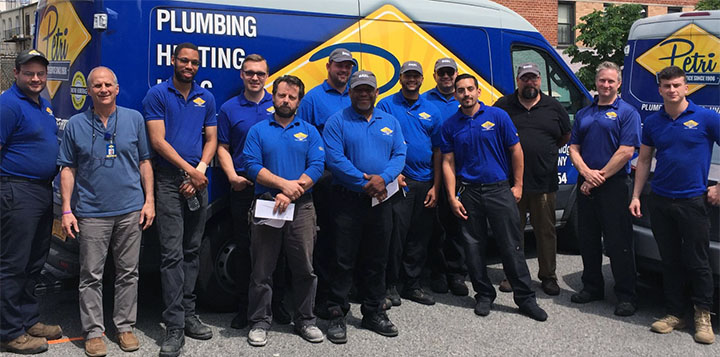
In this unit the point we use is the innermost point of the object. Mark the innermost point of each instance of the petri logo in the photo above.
(78, 90)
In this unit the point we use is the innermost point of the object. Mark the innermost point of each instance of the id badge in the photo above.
(110, 151)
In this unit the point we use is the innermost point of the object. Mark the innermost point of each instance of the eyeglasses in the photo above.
(251, 74)
(185, 60)
(442, 72)
(530, 78)
(41, 74)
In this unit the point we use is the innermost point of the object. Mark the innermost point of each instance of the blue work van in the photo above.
(136, 39)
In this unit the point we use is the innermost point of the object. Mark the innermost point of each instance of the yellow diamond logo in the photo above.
(300, 136)
(690, 124)
(424, 115)
(270, 110)
(61, 35)
(386, 130)
(49, 110)
(487, 125)
(611, 114)
(690, 48)
(386, 29)
(199, 101)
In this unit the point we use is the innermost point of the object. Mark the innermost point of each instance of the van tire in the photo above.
(215, 287)
(568, 237)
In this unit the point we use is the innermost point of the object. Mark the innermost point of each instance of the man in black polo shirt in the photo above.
(543, 126)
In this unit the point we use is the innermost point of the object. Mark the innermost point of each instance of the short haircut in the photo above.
(466, 76)
(183, 45)
(290, 80)
(609, 65)
(671, 72)
(90, 75)
(254, 57)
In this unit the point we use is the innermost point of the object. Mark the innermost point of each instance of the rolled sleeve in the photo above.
(9, 115)
(223, 127)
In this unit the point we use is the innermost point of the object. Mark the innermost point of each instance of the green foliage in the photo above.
(605, 34)
(708, 5)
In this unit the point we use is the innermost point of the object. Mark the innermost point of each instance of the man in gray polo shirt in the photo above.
(105, 158)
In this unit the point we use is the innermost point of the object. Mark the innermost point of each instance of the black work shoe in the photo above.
(393, 296)
(482, 308)
(280, 315)
(321, 310)
(172, 344)
(438, 284)
(337, 330)
(380, 323)
(533, 311)
(240, 321)
(505, 286)
(194, 328)
(584, 297)
(625, 308)
(387, 304)
(419, 296)
(458, 287)
(550, 287)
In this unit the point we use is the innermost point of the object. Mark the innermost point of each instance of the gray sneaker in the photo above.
(311, 333)
(257, 337)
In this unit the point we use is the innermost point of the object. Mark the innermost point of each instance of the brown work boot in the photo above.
(51, 332)
(667, 324)
(95, 347)
(703, 327)
(25, 344)
(128, 341)
(505, 286)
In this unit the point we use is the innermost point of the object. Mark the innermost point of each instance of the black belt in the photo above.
(484, 185)
(25, 179)
(346, 191)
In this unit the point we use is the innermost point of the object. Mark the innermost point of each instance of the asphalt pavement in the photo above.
(449, 328)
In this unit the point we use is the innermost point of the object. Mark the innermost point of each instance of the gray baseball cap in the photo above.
(341, 55)
(526, 68)
(445, 63)
(411, 66)
(363, 77)
(27, 55)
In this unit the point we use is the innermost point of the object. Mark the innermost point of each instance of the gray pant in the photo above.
(122, 235)
(298, 239)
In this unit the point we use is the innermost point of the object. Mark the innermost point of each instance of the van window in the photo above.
(555, 82)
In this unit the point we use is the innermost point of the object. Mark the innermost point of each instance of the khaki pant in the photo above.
(542, 218)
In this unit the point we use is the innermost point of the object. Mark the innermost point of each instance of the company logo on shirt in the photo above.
(690, 124)
(386, 131)
(270, 110)
(488, 125)
(321, 148)
(300, 136)
(611, 115)
(49, 111)
(199, 102)
(424, 116)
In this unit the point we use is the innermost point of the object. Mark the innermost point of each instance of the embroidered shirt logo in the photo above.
(270, 110)
(300, 136)
(690, 124)
(424, 116)
(199, 102)
(611, 115)
(488, 125)
(386, 131)
(49, 111)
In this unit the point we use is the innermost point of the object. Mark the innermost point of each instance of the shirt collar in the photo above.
(400, 98)
(437, 93)
(477, 114)
(691, 108)
(194, 90)
(245, 102)
(294, 122)
(327, 87)
(615, 104)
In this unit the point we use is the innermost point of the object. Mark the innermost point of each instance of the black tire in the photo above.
(568, 237)
(216, 288)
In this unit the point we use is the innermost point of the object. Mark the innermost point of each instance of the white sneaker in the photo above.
(311, 333)
(257, 337)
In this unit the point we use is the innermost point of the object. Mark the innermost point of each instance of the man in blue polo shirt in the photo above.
(105, 154)
(176, 112)
(365, 152)
(604, 137)
(476, 142)
(683, 134)
(285, 156)
(445, 254)
(28, 150)
(414, 214)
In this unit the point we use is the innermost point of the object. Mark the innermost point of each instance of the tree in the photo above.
(708, 5)
(605, 34)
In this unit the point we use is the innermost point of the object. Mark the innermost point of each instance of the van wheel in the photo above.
(568, 237)
(216, 288)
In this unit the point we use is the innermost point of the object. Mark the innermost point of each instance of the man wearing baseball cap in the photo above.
(28, 149)
(413, 215)
(365, 151)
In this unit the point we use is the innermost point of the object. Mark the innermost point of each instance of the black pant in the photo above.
(240, 202)
(362, 237)
(324, 254)
(682, 231)
(604, 222)
(26, 226)
(446, 256)
(412, 228)
(495, 204)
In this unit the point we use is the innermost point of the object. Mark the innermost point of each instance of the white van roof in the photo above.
(483, 13)
(663, 26)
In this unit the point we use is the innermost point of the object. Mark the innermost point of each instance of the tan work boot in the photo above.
(667, 324)
(703, 327)
(95, 347)
(25, 344)
(128, 341)
(51, 332)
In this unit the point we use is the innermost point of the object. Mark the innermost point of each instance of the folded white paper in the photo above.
(391, 188)
(264, 209)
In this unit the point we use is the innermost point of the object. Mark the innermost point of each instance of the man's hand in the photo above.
(585, 188)
(292, 189)
(595, 177)
(70, 225)
(239, 183)
(147, 214)
(517, 193)
(635, 207)
(187, 189)
(713, 195)
(375, 186)
(198, 179)
(431, 197)
(457, 208)
(281, 203)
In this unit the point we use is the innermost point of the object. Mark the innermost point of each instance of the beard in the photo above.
(179, 76)
(285, 111)
(530, 93)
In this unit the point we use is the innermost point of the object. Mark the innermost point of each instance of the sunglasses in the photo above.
(251, 74)
(445, 72)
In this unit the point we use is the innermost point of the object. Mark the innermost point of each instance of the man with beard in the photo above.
(413, 215)
(365, 152)
(445, 254)
(326, 99)
(176, 112)
(604, 137)
(543, 126)
(285, 156)
(476, 142)
(28, 150)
